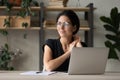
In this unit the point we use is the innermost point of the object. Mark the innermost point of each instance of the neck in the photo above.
(66, 41)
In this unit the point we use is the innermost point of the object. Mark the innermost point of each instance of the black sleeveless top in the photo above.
(57, 50)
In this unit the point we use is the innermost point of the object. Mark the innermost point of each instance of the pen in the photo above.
(38, 72)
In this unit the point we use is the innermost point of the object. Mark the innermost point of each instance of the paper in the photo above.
(37, 73)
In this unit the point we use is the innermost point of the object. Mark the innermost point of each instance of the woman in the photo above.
(57, 51)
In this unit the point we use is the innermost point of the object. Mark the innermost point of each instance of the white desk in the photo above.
(15, 75)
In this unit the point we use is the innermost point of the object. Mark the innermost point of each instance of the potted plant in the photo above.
(27, 12)
(113, 38)
(24, 13)
(5, 20)
(22, 18)
(25, 5)
(112, 25)
(6, 57)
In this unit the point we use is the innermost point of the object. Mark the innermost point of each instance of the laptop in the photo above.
(88, 61)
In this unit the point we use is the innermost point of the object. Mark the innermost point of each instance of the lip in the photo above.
(61, 31)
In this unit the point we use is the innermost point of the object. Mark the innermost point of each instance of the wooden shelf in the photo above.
(52, 8)
(85, 9)
(19, 8)
(20, 28)
(67, 8)
(51, 24)
(85, 28)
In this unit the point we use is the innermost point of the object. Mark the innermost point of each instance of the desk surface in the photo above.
(15, 75)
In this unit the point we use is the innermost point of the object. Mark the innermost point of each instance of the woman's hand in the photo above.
(72, 45)
(77, 41)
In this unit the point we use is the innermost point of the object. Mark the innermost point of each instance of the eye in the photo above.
(66, 24)
(59, 23)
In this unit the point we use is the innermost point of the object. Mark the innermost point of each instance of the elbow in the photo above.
(48, 68)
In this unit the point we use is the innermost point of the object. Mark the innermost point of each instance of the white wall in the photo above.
(103, 8)
(29, 60)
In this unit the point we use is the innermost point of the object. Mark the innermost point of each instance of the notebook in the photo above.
(91, 60)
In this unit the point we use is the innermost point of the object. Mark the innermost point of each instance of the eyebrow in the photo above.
(65, 21)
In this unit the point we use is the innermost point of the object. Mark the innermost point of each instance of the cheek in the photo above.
(70, 30)
(58, 30)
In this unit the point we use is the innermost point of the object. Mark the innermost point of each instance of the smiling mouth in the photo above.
(62, 31)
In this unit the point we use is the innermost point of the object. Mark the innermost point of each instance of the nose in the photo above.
(62, 25)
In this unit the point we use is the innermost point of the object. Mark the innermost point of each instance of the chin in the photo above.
(62, 35)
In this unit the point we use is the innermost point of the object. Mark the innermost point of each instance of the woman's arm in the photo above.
(51, 64)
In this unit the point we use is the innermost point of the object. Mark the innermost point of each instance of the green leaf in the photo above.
(110, 28)
(114, 13)
(6, 46)
(115, 17)
(11, 68)
(112, 37)
(32, 14)
(113, 54)
(4, 32)
(117, 47)
(35, 3)
(25, 3)
(118, 21)
(108, 44)
(106, 20)
(7, 22)
(25, 35)
(25, 24)
(22, 14)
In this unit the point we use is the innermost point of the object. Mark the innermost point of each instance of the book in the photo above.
(37, 73)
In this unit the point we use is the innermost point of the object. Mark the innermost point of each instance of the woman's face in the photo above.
(65, 27)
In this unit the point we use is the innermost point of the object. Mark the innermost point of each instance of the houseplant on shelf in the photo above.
(27, 12)
(22, 18)
(7, 56)
(25, 5)
(112, 25)
(24, 12)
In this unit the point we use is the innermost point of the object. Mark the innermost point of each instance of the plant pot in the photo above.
(18, 21)
(57, 3)
(14, 21)
(65, 3)
(15, 2)
(2, 21)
